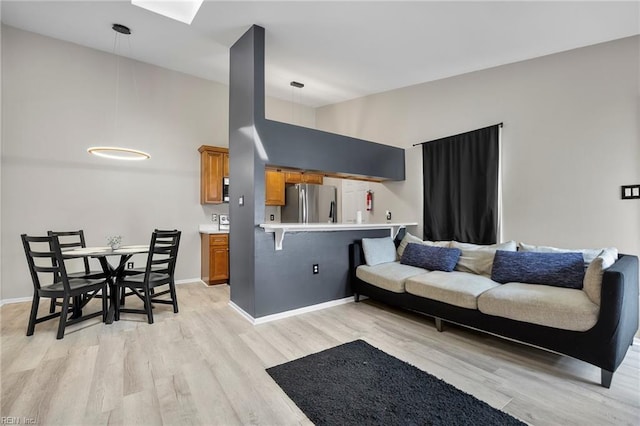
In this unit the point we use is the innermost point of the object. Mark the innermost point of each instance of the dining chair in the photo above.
(159, 271)
(50, 280)
(70, 240)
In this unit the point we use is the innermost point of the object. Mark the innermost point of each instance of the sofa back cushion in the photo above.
(610, 254)
(408, 238)
(555, 269)
(430, 257)
(478, 259)
(378, 250)
(592, 284)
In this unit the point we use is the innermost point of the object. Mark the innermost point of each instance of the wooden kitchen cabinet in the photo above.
(274, 187)
(302, 177)
(215, 258)
(312, 178)
(225, 164)
(214, 165)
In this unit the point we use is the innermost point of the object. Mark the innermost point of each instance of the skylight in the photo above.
(180, 10)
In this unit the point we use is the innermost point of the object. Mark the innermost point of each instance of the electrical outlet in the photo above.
(129, 265)
(316, 268)
(272, 217)
(388, 213)
(214, 217)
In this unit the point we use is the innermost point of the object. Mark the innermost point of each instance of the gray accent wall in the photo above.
(265, 281)
(310, 149)
(285, 280)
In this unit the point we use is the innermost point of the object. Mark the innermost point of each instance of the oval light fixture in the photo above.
(117, 153)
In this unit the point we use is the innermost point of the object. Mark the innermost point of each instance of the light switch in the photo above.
(630, 192)
(241, 200)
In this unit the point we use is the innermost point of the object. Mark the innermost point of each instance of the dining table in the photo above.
(112, 271)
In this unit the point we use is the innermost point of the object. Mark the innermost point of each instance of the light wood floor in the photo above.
(206, 366)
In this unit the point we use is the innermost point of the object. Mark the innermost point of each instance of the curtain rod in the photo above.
(501, 124)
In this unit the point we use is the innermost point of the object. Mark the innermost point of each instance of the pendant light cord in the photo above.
(117, 98)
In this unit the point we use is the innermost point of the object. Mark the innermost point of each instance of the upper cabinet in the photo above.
(214, 165)
(275, 180)
(274, 187)
(302, 177)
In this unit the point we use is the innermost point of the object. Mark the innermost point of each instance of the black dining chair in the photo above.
(45, 260)
(159, 271)
(71, 240)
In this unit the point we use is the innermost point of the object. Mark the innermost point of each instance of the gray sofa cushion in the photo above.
(389, 276)
(478, 259)
(563, 308)
(587, 254)
(455, 288)
(408, 238)
(378, 250)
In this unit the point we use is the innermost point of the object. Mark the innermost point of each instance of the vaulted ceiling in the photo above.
(340, 50)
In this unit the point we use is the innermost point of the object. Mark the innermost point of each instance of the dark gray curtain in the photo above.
(461, 187)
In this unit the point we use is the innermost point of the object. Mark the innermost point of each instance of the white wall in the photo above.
(570, 139)
(58, 99)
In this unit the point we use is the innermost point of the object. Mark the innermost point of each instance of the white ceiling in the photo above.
(340, 50)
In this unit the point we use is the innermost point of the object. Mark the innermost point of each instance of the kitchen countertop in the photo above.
(211, 229)
(279, 229)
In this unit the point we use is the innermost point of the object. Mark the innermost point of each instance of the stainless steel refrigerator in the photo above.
(309, 203)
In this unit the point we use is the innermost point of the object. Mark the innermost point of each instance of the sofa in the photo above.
(580, 303)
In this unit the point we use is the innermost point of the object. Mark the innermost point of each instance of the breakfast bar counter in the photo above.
(280, 229)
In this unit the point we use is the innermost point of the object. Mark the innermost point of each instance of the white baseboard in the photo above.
(291, 313)
(28, 299)
(190, 281)
(15, 300)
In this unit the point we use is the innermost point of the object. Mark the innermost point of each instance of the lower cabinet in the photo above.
(215, 258)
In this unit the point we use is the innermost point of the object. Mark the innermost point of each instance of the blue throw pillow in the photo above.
(431, 258)
(555, 269)
(378, 250)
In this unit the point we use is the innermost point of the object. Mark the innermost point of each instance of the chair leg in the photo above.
(105, 304)
(52, 305)
(63, 318)
(174, 298)
(118, 302)
(34, 314)
(147, 305)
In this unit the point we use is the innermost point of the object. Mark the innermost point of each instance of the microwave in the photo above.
(225, 189)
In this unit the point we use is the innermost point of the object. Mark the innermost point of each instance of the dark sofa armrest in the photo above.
(619, 305)
(356, 258)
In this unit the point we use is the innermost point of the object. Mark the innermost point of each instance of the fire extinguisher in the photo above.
(369, 201)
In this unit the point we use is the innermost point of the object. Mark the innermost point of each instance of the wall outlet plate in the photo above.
(316, 268)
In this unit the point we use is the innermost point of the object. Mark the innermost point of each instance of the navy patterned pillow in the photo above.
(555, 269)
(431, 258)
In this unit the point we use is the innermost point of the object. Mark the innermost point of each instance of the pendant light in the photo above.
(114, 152)
(294, 85)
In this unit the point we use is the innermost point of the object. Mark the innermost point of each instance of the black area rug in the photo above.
(357, 384)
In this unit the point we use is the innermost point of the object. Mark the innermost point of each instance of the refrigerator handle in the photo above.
(332, 212)
(303, 204)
